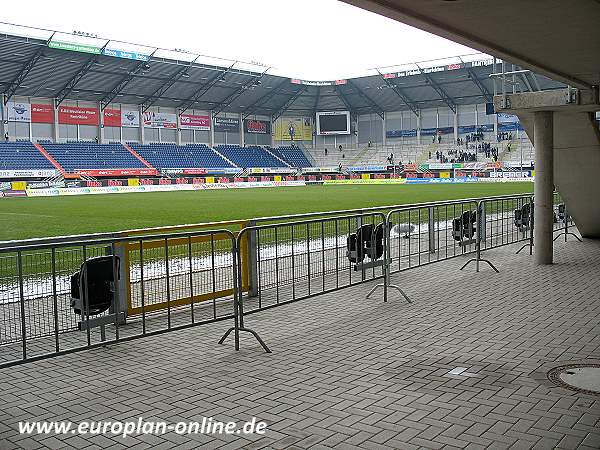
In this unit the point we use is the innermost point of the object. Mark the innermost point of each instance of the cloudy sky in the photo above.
(308, 39)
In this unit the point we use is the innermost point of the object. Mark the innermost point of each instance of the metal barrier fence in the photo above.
(177, 277)
(168, 275)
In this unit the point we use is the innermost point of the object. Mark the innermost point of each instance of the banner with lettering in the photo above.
(190, 121)
(77, 115)
(154, 119)
(257, 126)
(42, 113)
(19, 112)
(130, 119)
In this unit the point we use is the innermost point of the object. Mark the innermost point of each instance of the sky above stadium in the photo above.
(308, 39)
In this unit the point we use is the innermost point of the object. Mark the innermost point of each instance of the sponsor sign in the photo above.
(112, 117)
(76, 115)
(28, 173)
(125, 55)
(440, 166)
(318, 83)
(367, 168)
(44, 184)
(116, 172)
(257, 126)
(74, 47)
(190, 121)
(19, 112)
(154, 119)
(227, 124)
(293, 129)
(507, 118)
(442, 180)
(130, 119)
(367, 181)
(401, 133)
(511, 174)
(42, 113)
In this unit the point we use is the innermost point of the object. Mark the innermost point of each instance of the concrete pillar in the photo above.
(456, 125)
(178, 131)
(142, 138)
(242, 135)
(544, 186)
(3, 117)
(55, 124)
(212, 129)
(100, 123)
(384, 140)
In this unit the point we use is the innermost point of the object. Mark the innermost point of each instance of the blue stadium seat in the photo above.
(22, 155)
(291, 154)
(172, 156)
(74, 156)
(250, 156)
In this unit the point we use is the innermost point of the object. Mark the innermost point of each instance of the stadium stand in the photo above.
(172, 156)
(291, 154)
(250, 156)
(74, 156)
(22, 155)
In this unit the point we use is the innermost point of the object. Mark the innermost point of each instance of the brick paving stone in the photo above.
(347, 372)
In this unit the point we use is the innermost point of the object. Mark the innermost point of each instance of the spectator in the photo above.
(96, 139)
(439, 138)
(340, 147)
(325, 151)
(6, 136)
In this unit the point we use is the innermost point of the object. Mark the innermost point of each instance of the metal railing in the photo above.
(176, 277)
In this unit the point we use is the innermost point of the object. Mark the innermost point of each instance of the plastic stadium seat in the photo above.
(172, 156)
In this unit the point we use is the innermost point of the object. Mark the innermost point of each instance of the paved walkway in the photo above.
(347, 372)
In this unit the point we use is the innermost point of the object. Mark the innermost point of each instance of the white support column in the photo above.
(384, 140)
(272, 131)
(212, 129)
(178, 131)
(142, 138)
(242, 135)
(495, 126)
(100, 124)
(456, 125)
(55, 124)
(3, 118)
(419, 128)
(544, 186)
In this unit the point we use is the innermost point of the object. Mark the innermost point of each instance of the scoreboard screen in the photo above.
(335, 122)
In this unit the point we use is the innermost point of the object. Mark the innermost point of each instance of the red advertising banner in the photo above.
(116, 172)
(194, 171)
(76, 115)
(112, 117)
(189, 121)
(41, 113)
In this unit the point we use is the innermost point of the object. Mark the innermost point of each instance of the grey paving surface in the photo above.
(347, 372)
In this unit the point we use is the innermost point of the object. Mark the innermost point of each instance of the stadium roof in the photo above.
(63, 66)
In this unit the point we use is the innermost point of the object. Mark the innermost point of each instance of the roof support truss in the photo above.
(122, 84)
(184, 106)
(484, 91)
(449, 101)
(405, 98)
(157, 94)
(237, 93)
(252, 108)
(378, 109)
(290, 101)
(76, 78)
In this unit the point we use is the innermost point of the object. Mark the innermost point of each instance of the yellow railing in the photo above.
(144, 245)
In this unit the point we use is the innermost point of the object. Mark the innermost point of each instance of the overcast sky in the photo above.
(308, 39)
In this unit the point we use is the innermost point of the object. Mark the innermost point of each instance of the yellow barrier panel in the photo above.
(444, 174)
(157, 245)
(18, 185)
(366, 176)
(133, 182)
(210, 179)
(277, 178)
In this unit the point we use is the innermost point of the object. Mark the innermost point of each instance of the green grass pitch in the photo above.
(22, 218)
